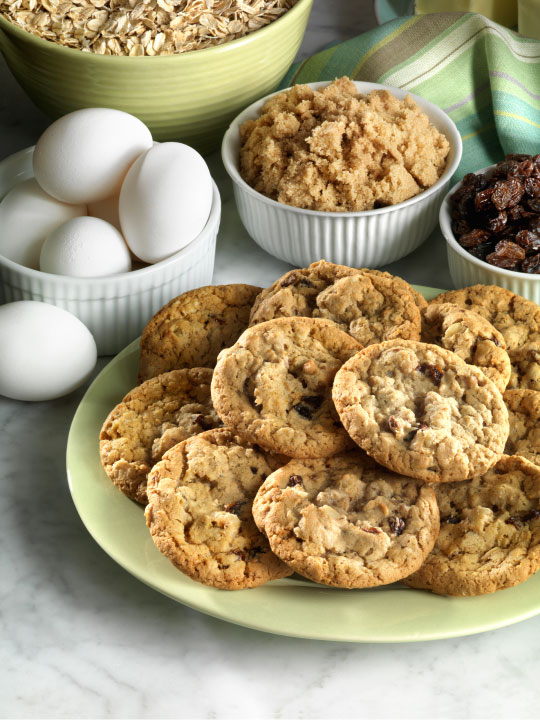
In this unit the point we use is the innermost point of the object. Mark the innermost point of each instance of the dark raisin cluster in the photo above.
(497, 219)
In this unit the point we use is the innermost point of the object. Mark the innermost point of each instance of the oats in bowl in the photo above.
(142, 27)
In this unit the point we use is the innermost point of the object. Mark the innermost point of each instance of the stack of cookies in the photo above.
(338, 426)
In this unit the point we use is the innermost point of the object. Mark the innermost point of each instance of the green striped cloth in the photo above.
(486, 77)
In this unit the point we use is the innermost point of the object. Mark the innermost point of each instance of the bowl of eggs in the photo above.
(185, 69)
(101, 221)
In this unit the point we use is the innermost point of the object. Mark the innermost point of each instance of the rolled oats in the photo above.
(142, 27)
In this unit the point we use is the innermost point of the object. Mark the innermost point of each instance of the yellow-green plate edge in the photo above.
(292, 606)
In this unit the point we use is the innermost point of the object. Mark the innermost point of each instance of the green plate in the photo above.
(292, 606)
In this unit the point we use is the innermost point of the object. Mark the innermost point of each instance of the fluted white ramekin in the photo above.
(360, 239)
(114, 308)
(465, 269)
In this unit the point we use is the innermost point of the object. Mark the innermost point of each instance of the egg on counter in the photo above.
(165, 200)
(84, 156)
(85, 247)
(46, 351)
(27, 215)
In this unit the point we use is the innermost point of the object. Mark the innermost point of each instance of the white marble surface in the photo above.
(81, 638)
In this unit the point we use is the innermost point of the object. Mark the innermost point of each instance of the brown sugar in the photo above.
(335, 149)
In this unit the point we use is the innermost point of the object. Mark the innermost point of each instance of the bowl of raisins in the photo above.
(491, 223)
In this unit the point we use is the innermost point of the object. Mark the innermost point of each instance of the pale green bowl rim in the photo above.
(297, 9)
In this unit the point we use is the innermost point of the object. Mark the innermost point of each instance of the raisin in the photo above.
(483, 200)
(314, 401)
(474, 238)
(294, 480)
(534, 205)
(460, 226)
(528, 240)
(393, 424)
(507, 255)
(304, 410)
(506, 194)
(236, 507)
(431, 371)
(531, 264)
(532, 187)
(253, 469)
(306, 283)
(396, 524)
(526, 167)
(497, 223)
(371, 530)
(482, 251)
(474, 180)
(451, 519)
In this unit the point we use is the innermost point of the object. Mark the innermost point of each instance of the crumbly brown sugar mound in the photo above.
(193, 328)
(524, 415)
(334, 149)
(151, 419)
(490, 532)
(346, 522)
(371, 308)
(471, 337)
(421, 411)
(273, 386)
(199, 511)
(139, 27)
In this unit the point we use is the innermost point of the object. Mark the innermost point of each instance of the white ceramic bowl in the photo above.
(360, 239)
(467, 270)
(115, 308)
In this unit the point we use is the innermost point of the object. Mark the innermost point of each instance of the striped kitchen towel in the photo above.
(486, 77)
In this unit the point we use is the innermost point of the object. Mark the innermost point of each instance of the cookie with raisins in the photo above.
(199, 511)
(273, 386)
(470, 336)
(524, 415)
(369, 306)
(490, 532)
(421, 411)
(151, 419)
(190, 330)
(345, 521)
(518, 321)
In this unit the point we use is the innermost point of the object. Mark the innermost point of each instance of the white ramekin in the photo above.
(359, 239)
(467, 270)
(115, 308)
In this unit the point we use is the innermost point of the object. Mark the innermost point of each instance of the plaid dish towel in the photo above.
(486, 77)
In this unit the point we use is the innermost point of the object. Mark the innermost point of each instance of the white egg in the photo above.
(46, 351)
(85, 247)
(85, 155)
(27, 215)
(165, 201)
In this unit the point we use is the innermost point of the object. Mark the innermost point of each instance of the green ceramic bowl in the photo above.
(190, 97)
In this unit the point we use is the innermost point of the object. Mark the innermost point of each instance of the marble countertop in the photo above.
(82, 638)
